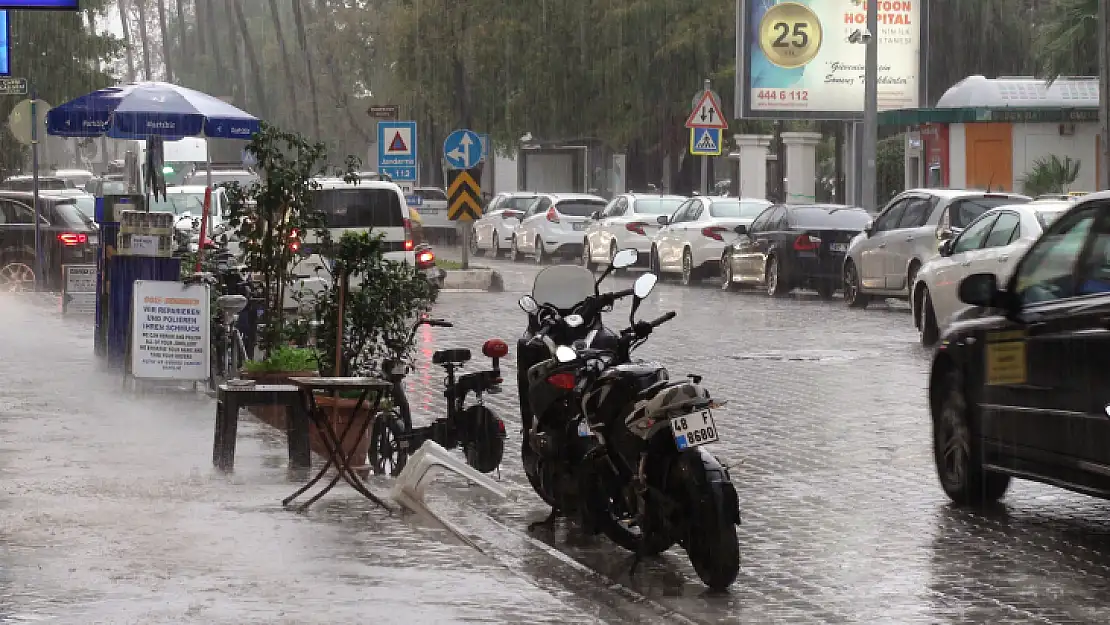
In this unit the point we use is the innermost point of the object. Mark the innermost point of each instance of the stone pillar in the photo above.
(801, 166)
(752, 150)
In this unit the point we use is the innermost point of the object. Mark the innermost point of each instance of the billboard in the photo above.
(65, 5)
(797, 61)
(5, 45)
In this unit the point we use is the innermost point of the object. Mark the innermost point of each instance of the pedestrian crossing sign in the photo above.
(705, 141)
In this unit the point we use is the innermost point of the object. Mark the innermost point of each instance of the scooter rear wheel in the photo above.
(388, 444)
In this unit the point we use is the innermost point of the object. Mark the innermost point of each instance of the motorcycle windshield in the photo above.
(563, 286)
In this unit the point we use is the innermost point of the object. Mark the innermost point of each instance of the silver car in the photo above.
(883, 260)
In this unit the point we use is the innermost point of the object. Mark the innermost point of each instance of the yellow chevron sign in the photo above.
(463, 194)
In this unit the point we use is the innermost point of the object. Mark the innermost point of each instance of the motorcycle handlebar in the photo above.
(439, 323)
(655, 323)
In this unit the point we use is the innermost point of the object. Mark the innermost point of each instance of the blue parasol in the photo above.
(148, 109)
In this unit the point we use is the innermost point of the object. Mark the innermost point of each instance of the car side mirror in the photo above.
(662, 220)
(869, 228)
(980, 289)
(741, 229)
(944, 248)
(944, 233)
(596, 215)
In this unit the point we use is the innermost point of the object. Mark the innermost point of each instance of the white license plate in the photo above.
(838, 247)
(93, 240)
(694, 430)
(581, 225)
(584, 429)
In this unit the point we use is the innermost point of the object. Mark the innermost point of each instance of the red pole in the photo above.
(203, 227)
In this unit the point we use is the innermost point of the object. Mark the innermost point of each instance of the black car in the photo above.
(67, 237)
(1020, 385)
(792, 246)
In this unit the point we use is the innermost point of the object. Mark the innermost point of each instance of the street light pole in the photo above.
(869, 200)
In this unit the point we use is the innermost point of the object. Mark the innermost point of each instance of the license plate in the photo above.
(584, 429)
(580, 225)
(838, 247)
(694, 430)
(93, 240)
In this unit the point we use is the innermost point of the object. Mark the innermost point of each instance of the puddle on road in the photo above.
(806, 355)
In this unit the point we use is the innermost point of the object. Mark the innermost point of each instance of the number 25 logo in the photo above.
(790, 34)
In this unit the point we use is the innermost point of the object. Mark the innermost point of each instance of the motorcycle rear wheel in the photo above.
(714, 550)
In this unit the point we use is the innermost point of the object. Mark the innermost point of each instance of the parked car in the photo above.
(26, 183)
(199, 177)
(75, 178)
(108, 184)
(885, 258)
(691, 241)
(433, 210)
(494, 231)
(554, 224)
(67, 236)
(992, 243)
(1020, 384)
(190, 199)
(792, 246)
(629, 221)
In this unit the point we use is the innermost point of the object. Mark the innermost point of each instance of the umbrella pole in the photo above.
(207, 205)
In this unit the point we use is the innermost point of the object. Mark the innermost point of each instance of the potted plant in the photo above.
(282, 363)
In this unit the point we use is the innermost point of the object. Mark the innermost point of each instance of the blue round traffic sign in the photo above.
(462, 149)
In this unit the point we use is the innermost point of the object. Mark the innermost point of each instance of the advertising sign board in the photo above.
(169, 331)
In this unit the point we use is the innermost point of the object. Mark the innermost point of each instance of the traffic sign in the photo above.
(13, 86)
(462, 149)
(707, 113)
(464, 195)
(383, 111)
(705, 141)
(19, 121)
(485, 147)
(397, 150)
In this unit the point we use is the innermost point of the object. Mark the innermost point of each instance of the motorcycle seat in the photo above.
(450, 356)
(654, 389)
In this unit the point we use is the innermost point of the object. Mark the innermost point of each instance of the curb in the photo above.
(478, 279)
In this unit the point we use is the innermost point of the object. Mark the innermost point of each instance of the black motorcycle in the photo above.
(649, 482)
(565, 308)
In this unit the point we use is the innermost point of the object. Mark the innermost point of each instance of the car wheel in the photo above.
(852, 296)
(689, 274)
(825, 290)
(474, 249)
(541, 254)
(587, 253)
(927, 319)
(496, 246)
(613, 254)
(726, 274)
(16, 276)
(776, 286)
(514, 251)
(653, 263)
(911, 276)
(957, 450)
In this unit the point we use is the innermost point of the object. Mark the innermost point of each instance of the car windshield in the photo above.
(1045, 217)
(579, 208)
(563, 286)
(360, 208)
(966, 210)
(736, 209)
(823, 218)
(179, 203)
(518, 202)
(69, 215)
(656, 206)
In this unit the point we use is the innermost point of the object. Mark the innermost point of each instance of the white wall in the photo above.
(957, 156)
(504, 174)
(1037, 141)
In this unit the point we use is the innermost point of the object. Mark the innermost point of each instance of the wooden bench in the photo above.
(231, 399)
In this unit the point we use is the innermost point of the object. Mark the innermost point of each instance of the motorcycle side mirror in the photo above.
(641, 289)
(565, 354)
(528, 304)
(625, 258)
(574, 320)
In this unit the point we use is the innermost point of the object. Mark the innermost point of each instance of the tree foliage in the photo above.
(1050, 175)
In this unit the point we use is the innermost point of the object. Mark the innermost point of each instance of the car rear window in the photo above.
(656, 206)
(67, 214)
(432, 194)
(579, 208)
(966, 210)
(815, 218)
(518, 202)
(360, 208)
(736, 209)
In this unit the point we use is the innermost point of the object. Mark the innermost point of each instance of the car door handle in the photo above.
(909, 238)
(882, 246)
(1003, 259)
(966, 263)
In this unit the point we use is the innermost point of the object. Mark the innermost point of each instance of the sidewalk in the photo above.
(111, 513)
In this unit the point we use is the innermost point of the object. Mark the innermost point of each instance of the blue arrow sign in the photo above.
(462, 149)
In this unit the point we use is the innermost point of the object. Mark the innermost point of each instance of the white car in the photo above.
(992, 243)
(554, 224)
(433, 209)
(188, 200)
(494, 231)
(693, 239)
(629, 221)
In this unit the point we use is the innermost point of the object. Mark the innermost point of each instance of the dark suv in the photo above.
(68, 237)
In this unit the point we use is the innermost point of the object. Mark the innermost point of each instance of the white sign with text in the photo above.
(170, 331)
(79, 292)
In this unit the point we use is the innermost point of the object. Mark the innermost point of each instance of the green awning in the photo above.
(916, 117)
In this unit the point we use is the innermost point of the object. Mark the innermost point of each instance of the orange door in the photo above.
(990, 160)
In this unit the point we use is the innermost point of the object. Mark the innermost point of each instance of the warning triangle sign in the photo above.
(706, 113)
(398, 144)
(706, 143)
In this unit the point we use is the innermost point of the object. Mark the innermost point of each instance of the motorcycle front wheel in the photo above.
(606, 513)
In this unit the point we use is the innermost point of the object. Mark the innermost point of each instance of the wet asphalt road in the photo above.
(110, 510)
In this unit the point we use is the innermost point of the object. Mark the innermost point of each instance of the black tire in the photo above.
(927, 319)
(612, 254)
(911, 276)
(485, 438)
(541, 254)
(533, 468)
(825, 290)
(957, 448)
(474, 249)
(727, 283)
(653, 263)
(776, 286)
(689, 272)
(514, 251)
(386, 454)
(495, 246)
(715, 554)
(600, 514)
(586, 252)
(852, 295)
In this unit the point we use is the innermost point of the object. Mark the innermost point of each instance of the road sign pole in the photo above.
(466, 234)
(35, 187)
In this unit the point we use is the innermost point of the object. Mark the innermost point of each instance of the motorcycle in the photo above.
(649, 483)
(565, 307)
(426, 264)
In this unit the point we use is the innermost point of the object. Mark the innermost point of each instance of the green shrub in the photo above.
(284, 358)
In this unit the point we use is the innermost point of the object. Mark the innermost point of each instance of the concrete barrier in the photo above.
(477, 279)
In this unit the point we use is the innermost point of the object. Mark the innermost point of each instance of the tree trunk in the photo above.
(252, 59)
(223, 78)
(122, 5)
(167, 52)
(286, 64)
(203, 11)
(141, 6)
(235, 58)
(302, 40)
(183, 43)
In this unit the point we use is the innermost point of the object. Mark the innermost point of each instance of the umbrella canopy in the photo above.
(145, 109)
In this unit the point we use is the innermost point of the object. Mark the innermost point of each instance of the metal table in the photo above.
(332, 442)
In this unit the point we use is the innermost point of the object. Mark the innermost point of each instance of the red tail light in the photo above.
(69, 239)
(553, 215)
(714, 232)
(294, 240)
(425, 258)
(564, 381)
(409, 245)
(637, 227)
(806, 243)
